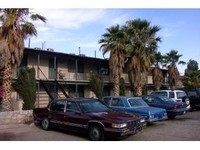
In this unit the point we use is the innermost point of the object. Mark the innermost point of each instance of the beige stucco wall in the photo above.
(44, 66)
(62, 68)
(88, 93)
(32, 62)
(149, 79)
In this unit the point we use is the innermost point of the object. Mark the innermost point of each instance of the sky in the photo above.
(76, 27)
(79, 30)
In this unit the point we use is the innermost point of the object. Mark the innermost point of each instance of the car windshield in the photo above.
(181, 94)
(166, 99)
(90, 106)
(137, 102)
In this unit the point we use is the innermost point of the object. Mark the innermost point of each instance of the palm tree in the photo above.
(157, 74)
(14, 30)
(143, 45)
(172, 58)
(114, 41)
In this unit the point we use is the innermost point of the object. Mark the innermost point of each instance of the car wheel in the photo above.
(96, 133)
(171, 116)
(45, 124)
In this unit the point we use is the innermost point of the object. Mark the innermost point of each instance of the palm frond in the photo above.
(38, 17)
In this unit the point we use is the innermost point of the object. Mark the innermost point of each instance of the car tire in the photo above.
(45, 124)
(96, 133)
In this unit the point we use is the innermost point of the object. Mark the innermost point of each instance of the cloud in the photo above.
(171, 29)
(166, 33)
(89, 44)
(70, 18)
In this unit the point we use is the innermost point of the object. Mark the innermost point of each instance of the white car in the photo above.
(176, 95)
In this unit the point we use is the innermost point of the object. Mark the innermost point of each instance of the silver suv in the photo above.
(176, 95)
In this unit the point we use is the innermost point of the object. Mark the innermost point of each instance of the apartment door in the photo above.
(52, 68)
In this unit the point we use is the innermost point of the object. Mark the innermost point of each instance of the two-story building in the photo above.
(60, 75)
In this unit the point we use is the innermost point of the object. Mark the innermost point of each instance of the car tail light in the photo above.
(176, 106)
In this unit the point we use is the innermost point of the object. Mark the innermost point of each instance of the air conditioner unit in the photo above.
(82, 55)
(50, 49)
(37, 48)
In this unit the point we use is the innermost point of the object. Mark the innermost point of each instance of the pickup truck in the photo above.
(90, 116)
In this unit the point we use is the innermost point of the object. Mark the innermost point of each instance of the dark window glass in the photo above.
(52, 69)
(106, 91)
(117, 102)
(58, 106)
(89, 106)
(80, 67)
(137, 102)
(192, 93)
(171, 95)
(106, 100)
(148, 99)
(180, 94)
(103, 69)
(71, 66)
(71, 107)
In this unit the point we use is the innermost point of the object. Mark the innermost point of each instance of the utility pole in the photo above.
(43, 45)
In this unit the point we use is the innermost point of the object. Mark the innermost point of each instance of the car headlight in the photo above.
(117, 125)
(151, 116)
(142, 120)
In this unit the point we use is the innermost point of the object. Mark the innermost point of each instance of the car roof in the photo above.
(156, 96)
(127, 97)
(75, 99)
(169, 91)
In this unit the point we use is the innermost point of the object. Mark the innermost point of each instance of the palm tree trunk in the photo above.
(7, 86)
(116, 85)
(138, 91)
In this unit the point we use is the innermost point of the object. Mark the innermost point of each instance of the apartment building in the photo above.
(61, 75)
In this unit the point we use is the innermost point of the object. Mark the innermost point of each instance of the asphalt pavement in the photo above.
(182, 128)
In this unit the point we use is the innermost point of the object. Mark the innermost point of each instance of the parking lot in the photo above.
(182, 128)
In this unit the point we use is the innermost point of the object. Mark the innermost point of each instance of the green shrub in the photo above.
(96, 84)
(25, 86)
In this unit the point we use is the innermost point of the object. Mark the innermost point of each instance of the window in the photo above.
(192, 93)
(71, 107)
(117, 102)
(106, 100)
(103, 69)
(58, 106)
(80, 67)
(106, 91)
(52, 68)
(160, 93)
(180, 94)
(171, 95)
(137, 102)
(148, 99)
(71, 65)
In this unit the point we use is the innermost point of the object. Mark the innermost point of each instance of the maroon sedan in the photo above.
(90, 116)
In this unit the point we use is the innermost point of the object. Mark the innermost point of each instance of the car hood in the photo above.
(115, 116)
